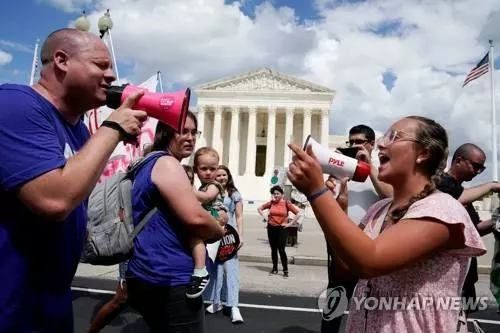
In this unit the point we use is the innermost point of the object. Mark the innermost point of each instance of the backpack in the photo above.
(110, 225)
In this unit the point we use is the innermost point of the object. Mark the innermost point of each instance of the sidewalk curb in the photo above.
(292, 260)
(316, 261)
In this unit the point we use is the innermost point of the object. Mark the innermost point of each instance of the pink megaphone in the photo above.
(169, 108)
(338, 165)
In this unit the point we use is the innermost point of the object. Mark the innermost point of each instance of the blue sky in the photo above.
(37, 20)
(40, 18)
(304, 9)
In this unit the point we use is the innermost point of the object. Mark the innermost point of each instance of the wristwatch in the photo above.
(127, 137)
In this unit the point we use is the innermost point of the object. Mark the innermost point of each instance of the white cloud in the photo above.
(5, 58)
(431, 45)
(15, 46)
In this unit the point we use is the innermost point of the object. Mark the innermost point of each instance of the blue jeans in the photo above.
(230, 280)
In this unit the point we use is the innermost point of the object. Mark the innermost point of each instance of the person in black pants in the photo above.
(277, 222)
(468, 162)
(338, 276)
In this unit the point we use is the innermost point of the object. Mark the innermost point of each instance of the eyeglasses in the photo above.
(353, 142)
(194, 133)
(478, 167)
(392, 136)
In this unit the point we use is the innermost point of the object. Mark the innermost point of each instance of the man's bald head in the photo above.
(466, 150)
(76, 68)
(71, 41)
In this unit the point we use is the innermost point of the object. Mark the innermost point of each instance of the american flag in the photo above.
(480, 69)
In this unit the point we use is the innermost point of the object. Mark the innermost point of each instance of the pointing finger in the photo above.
(298, 151)
(140, 115)
(310, 151)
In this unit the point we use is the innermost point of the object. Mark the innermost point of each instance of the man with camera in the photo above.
(355, 201)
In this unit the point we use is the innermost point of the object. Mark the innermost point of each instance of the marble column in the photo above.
(271, 141)
(216, 135)
(201, 126)
(325, 127)
(287, 158)
(234, 144)
(251, 142)
(306, 128)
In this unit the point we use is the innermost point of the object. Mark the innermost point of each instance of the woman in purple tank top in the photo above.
(161, 266)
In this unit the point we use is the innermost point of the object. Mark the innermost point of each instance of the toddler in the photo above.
(206, 162)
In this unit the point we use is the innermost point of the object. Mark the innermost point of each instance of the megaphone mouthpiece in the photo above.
(114, 96)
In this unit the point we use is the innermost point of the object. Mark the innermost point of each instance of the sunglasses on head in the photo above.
(353, 142)
(478, 167)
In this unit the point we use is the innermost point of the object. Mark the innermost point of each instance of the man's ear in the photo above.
(458, 159)
(61, 59)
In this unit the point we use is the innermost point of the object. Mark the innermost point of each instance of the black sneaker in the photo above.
(273, 272)
(197, 286)
(285, 275)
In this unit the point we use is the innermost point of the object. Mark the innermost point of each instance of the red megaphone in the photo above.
(169, 108)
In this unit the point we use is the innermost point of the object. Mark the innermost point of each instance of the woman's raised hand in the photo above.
(305, 171)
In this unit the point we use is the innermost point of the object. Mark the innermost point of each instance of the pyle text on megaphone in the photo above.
(338, 165)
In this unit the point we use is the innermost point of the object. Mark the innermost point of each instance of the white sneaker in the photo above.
(236, 317)
(214, 308)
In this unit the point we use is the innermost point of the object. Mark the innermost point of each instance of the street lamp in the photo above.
(105, 23)
(82, 23)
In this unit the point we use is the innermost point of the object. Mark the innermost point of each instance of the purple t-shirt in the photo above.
(38, 258)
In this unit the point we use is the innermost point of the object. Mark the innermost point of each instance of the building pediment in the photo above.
(263, 79)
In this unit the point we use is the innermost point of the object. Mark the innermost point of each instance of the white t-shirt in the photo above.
(361, 195)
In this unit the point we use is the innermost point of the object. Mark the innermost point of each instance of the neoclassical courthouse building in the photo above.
(250, 118)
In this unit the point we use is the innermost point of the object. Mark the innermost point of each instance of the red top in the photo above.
(278, 211)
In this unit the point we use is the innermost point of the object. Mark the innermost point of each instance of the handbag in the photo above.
(228, 245)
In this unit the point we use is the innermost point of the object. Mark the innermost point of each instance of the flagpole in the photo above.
(34, 64)
(111, 46)
(493, 113)
(158, 78)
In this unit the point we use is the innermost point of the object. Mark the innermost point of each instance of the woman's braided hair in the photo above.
(431, 136)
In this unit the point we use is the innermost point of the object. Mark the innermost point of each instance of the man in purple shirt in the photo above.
(48, 167)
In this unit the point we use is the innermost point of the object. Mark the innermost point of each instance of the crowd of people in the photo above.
(409, 229)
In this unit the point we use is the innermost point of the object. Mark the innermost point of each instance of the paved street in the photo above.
(268, 304)
(263, 313)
